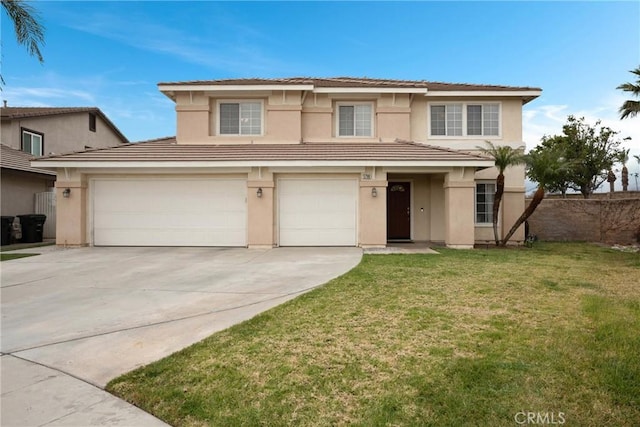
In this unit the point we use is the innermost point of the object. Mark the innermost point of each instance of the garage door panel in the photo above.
(127, 220)
(164, 237)
(317, 212)
(180, 212)
(324, 220)
(321, 237)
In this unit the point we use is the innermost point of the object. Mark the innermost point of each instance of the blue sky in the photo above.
(113, 54)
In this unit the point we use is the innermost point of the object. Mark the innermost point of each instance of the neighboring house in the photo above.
(43, 131)
(20, 181)
(29, 132)
(302, 162)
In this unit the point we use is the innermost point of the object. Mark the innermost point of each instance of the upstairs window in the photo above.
(465, 119)
(355, 119)
(483, 119)
(241, 118)
(92, 122)
(484, 202)
(446, 120)
(32, 142)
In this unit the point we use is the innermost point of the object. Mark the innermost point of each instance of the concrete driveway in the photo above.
(73, 319)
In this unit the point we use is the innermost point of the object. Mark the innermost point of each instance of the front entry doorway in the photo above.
(399, 211)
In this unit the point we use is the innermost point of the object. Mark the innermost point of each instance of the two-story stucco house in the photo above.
(302, 162)
(29, 132)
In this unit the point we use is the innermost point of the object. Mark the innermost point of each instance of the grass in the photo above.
(10, 256)
(461, 338)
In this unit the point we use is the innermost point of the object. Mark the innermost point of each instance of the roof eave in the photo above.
(526, 95)
(170, 89)
(43, 172)
(418, 90)
(54, 163)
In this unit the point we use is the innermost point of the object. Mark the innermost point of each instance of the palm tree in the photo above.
(623, 157)
(631, 107)
(544, 165)
(504, 156)
(29, 31)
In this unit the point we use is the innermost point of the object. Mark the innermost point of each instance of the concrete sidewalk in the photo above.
(74, 319)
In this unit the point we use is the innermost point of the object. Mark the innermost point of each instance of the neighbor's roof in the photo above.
(312, 83)
(19, 160)
(14, 113)
(160, 152)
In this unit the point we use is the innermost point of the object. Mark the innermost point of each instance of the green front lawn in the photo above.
(462, 338)
(9, 256)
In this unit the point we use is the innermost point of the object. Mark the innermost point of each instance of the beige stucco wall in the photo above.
(443, 205)
(197, 117)
(443, 201)
(193, 124)
(372, 224)
(459, 188)
(511, 123)
(63, 133)
(437, 211)
(284, 123)
(261, 213)
(294, 116)
(71, 212)
(19, 189)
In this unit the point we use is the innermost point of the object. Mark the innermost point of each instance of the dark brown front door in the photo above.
(399, 211)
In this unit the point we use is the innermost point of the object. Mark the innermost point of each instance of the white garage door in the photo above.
(319, 212)
(169, 212)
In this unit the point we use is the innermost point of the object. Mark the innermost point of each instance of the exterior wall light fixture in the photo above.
(66, 193)
(374, 192)
(259, 192)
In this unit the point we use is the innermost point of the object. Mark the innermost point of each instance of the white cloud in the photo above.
(234, 56)
(46, 96)
(136, 108)
(548, 120)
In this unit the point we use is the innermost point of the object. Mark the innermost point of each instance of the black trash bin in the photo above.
(32, 227)
(7, 225)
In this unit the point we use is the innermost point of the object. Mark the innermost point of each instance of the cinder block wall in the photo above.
(592, 220)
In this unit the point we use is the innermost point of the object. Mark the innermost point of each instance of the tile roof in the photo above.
(19, 160)
(167, 150)
(14, 113)
(363, 82)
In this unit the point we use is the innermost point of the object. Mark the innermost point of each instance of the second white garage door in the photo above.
(320, 212)
(169, 212)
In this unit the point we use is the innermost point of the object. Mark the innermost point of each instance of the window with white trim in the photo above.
(355, 119)
(465, 119)
(240, 118)
(32, 142)
(446, 120)
(485, 191)
(483, 119)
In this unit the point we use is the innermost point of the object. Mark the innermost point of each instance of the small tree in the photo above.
(631, 107)
(590, 151)
(561, 181)
(504, 156)
(544, 165)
